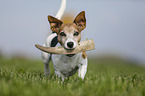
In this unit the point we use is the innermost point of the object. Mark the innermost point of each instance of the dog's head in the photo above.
(68, 34)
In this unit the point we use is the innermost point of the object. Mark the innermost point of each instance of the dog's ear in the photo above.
(80, 21)
(54, 23)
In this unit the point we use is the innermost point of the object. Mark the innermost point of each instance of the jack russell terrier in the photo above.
(66, 35)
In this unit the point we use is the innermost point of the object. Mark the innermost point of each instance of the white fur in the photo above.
(70, 40)
(46, 57)
(64, 66)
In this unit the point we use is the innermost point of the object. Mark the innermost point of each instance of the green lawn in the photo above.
(22, 77)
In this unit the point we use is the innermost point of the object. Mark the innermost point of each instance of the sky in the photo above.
(116, 26)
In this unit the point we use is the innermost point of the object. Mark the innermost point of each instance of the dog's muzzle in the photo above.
(70, 46)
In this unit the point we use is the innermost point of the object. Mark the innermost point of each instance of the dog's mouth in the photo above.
(70, 55)
(69, 49)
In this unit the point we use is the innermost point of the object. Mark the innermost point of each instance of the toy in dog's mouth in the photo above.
(81, 47)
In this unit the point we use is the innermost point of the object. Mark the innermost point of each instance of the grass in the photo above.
(22, 77)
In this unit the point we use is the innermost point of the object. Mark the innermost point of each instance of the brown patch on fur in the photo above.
(54, 23)
(84, 55)
(80, 21)
(59, 40)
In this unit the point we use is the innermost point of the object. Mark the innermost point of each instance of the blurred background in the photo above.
(116, 26)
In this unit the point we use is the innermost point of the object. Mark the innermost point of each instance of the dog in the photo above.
(67, 35)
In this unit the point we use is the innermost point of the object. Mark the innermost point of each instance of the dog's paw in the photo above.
(46, 73)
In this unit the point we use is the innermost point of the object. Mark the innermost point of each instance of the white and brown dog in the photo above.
(66, 35)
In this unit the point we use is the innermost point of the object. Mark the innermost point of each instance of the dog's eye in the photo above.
(76, 33)
(62, 34)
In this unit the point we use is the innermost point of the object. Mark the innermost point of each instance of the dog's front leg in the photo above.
(82, 68)
(58, 73)
(46, 59)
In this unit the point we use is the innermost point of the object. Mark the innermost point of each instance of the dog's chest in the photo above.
(66, 65)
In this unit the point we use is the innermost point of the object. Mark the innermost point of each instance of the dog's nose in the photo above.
(70, 44)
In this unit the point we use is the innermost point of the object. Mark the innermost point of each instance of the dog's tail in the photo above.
(61, 9)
